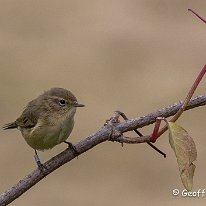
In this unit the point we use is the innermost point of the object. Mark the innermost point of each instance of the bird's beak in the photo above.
(76, 104)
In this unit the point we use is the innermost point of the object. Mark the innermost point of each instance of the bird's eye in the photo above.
(62, 102)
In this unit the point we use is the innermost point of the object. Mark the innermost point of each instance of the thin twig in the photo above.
(91, 141)
(141, 135)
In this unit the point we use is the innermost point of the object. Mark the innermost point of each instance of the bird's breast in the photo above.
(46, 135)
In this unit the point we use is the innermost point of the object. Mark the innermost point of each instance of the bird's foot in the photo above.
(41, 167)
(72, 147)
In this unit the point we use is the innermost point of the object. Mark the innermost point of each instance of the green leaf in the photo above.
(185, 151)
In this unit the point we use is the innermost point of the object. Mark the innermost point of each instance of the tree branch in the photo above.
(112, 131)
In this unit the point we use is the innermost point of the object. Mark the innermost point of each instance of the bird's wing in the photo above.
(29, 117)
(26, 120)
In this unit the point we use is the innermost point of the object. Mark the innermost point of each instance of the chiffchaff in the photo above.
(47, 120)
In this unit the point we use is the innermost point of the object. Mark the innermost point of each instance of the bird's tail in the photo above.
(11, 125)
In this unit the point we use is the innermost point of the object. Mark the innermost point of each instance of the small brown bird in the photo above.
(47, 120)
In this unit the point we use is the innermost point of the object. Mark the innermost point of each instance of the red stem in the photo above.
(197, 15)
(186, 101)
(155, 132)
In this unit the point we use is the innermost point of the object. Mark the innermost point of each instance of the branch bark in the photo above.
(110, 132)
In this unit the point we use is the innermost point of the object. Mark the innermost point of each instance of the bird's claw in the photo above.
(72, 147)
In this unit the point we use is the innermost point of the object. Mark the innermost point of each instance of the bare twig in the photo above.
(118, 113)
(112, 131)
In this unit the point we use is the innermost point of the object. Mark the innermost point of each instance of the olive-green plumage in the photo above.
(47, 120)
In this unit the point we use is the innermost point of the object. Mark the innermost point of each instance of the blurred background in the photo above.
(135, 56)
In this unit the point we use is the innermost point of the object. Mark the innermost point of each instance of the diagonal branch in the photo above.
(110, 131)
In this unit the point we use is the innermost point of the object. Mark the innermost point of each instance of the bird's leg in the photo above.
(72, 147)
(38, 162)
